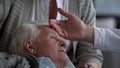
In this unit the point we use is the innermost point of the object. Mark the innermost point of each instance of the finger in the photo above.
(65, 13)
(54, 21)
(56, 26)
(51, 21)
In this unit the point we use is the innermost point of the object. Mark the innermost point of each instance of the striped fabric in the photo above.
(9, 20)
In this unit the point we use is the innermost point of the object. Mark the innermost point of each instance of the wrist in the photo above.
(89, 34)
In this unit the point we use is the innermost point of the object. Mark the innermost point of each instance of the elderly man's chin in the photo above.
(63, 57)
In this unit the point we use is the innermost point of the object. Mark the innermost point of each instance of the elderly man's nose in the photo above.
(63, 44)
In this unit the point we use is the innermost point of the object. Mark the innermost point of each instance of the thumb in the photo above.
(53, 23)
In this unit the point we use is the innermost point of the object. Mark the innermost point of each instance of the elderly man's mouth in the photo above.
(63, 51)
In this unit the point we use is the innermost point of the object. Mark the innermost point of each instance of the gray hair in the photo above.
(22, 33)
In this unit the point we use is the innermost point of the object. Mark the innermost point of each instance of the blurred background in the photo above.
(108, 16)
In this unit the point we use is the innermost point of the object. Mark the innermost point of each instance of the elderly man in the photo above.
(40, 41)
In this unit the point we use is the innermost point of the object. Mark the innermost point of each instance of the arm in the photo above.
(86, 32)
(107, 39)
(85, 53)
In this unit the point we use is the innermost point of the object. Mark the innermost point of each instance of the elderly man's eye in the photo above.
(53, 37)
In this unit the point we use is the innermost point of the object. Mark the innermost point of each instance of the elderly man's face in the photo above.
(50, 44)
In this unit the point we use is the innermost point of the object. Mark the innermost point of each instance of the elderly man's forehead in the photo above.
(45, 28)
(42, 26)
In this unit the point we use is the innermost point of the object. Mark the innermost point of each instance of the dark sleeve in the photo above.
(4, 10)
(86, 53)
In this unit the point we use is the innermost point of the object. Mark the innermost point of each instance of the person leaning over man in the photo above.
(15, 12)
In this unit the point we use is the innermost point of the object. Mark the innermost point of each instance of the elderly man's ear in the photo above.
(29, 47)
